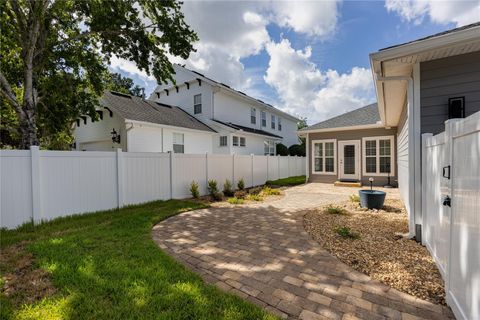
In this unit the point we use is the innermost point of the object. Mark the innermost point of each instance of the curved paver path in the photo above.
(262, 253)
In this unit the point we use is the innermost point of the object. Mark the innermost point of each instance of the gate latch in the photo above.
(447, 201)
(446, 172)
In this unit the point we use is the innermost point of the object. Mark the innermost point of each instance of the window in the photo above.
(323, 156)
(239, 141)
(279, 124)
(178, 146)
(223, 141)
(378, 156)
(273, 121)
(253, 116)
(264, 118)
(269, 147)
(197, 104)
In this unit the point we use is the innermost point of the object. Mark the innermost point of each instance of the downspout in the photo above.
(411, 147)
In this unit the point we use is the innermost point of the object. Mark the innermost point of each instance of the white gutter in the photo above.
(359, 127)
(156, 125)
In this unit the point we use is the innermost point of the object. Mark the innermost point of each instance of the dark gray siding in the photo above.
(351, 135)
(447, 78)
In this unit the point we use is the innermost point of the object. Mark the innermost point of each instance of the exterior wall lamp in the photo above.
(115, 136)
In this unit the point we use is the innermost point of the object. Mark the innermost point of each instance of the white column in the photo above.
(36, 200)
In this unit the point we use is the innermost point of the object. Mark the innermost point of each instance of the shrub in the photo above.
(354, 198)
(217, 196)
(235, 200)
(227, 188)
(335, 210)
(254, 197)
(346, 233)
(241, 184)
(194, 190)
(240, 194)
(255, 190)
(267, 191)
(212, 187)
(282, 150)
(297, 150)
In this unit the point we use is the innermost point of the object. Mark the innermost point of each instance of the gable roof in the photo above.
(235, 92)
(247, 129)
(364, 116)
(138, 109)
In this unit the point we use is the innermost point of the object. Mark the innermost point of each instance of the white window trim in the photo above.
(334, 156)
(377, 155)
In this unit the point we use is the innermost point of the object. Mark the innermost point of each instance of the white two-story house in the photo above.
(244, 125)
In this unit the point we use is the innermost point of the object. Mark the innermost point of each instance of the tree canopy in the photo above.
(126, 85)
(55, 53)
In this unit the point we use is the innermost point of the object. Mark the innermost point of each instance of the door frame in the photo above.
(341, 144)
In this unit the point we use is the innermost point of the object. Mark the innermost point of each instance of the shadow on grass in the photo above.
(106, 266)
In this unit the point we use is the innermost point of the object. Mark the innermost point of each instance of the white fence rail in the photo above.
(451, 168)
(42, 185)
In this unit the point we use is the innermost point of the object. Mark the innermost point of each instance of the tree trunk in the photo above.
(28, 127)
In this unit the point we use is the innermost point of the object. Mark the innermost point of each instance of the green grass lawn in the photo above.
(106, 266)
(291, 181)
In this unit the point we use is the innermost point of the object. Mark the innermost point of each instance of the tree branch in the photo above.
(7, 92)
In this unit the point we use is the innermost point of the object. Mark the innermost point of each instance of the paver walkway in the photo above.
(262, 253)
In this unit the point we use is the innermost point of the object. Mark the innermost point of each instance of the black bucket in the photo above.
(371, 199)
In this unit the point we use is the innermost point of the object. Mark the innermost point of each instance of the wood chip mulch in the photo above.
(380, 251)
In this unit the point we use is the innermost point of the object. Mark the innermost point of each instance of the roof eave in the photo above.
(153, 124)
(348, 128)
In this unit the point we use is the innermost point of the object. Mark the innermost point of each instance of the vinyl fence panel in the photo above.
(43, 185)
(16, 190)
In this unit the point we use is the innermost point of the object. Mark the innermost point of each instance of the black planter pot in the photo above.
(371, 199)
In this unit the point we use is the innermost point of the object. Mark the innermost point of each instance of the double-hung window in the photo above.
(239, 141)
(273, 121)
(253, 116)
(269, 147)
(324, 156)
(223, 141)
(279, 124)
(178, 144)
(378, 156)
(243, 141)
(197, 104)
(263, 114)
(235, 141)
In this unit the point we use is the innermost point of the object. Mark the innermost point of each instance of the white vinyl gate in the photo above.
(451, 230)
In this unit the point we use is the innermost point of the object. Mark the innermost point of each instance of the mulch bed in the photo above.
(380, 249)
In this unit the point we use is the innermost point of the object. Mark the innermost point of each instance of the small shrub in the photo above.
(241, 184)
(254, 197)
(255, 190)
(217, 196)
(212, 187)
(354, 198)
(194, 190)
(267, 191)
(346, 233)
(227, 188)
(240, 194)
(335, 210)
(281, 149)
(297, 150)
(235, 200)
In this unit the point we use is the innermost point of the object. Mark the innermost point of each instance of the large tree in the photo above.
(55, 53)
(126, 85)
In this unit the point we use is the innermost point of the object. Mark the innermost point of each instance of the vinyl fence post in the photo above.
(423, 147)
(251, 167)
(233, 170)
(268, 157)
(278, 166)
(206, 171)
(170, 157)
(36, 204)
(120, 168)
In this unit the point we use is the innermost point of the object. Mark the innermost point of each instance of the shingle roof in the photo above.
(362, 116)
(247, 129)
(468, 26)
(138, 109)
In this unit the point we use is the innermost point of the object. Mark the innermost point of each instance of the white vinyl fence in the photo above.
(451, 168)
(42, 185)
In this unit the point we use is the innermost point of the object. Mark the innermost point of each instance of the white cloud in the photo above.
(307, 91)
(315, 18)
(459, 12)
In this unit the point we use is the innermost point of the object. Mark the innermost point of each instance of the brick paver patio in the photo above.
(263, 254)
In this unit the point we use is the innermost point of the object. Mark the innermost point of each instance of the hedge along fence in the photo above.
(43, 185)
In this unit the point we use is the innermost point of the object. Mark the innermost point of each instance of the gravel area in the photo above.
(378, 248)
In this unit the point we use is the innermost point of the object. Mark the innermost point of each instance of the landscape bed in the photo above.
(371, 242)
(106, 266)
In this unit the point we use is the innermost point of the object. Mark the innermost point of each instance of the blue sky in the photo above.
(307, 58)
